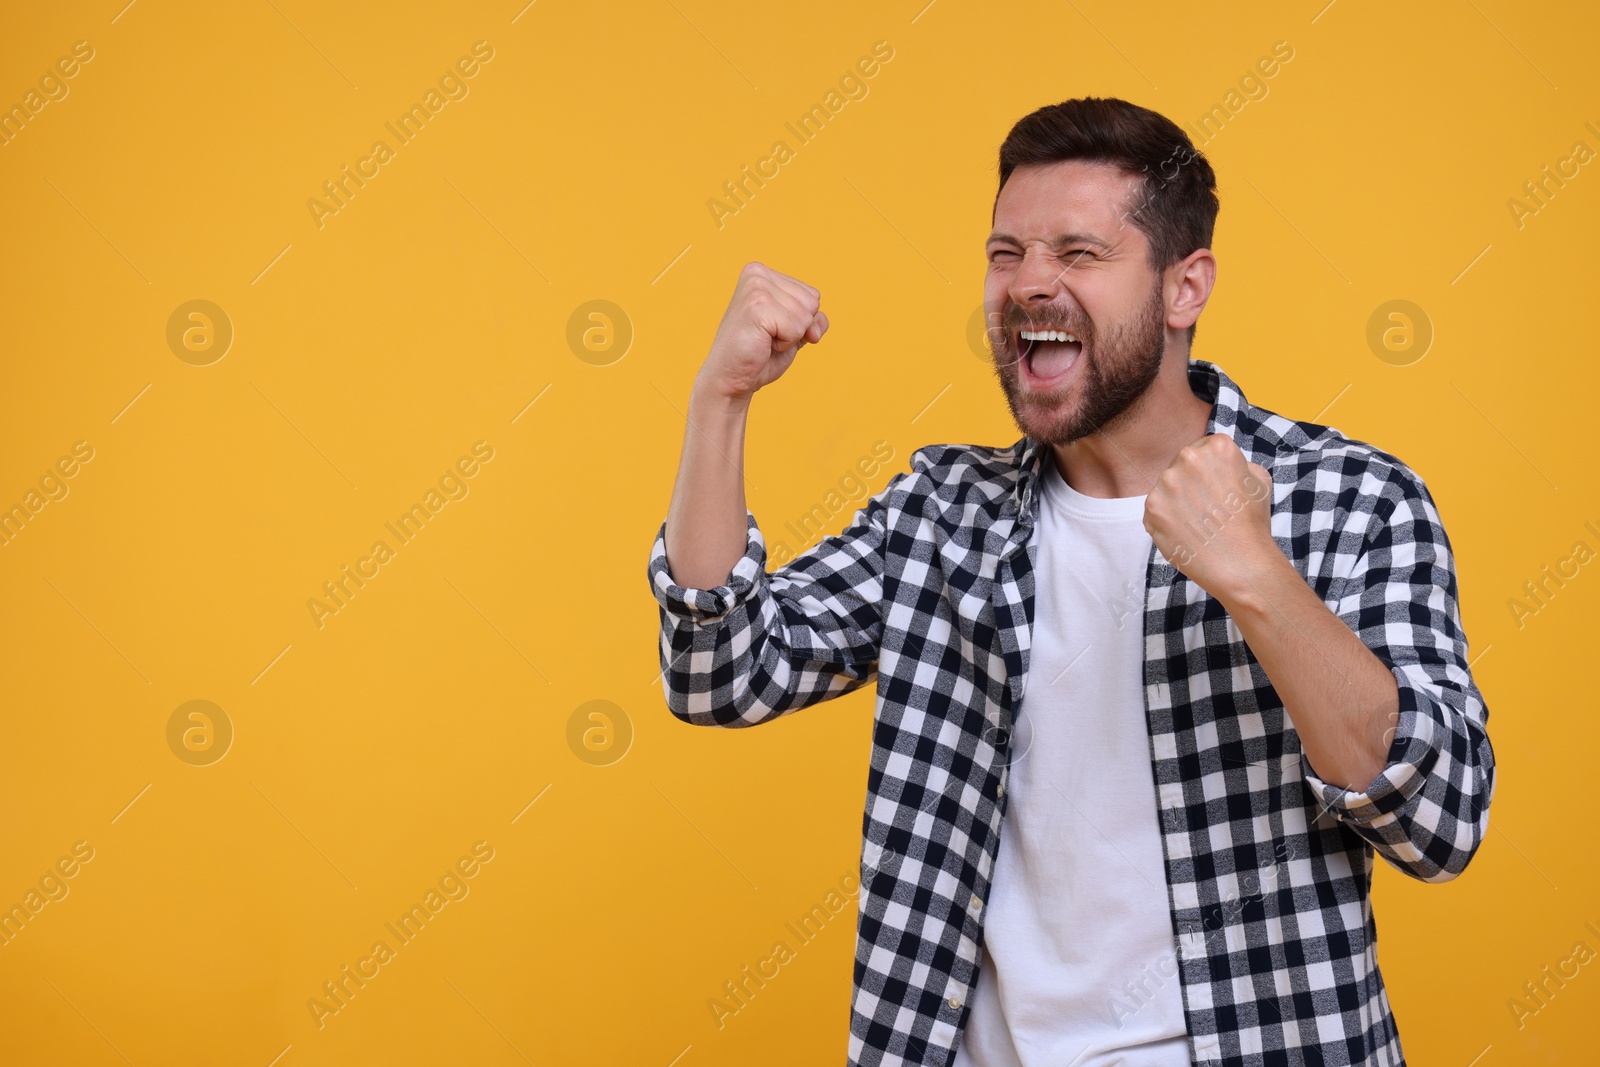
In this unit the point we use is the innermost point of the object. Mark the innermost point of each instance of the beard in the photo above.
(1116, 371)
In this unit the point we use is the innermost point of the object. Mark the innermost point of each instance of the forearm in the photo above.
(706, 521)
(1342, 699)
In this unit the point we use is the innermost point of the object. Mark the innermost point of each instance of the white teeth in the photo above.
(1048, 335)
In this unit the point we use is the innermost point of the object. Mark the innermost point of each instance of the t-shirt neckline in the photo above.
(1080, 505)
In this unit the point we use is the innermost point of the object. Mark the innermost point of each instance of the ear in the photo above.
(1188, 287)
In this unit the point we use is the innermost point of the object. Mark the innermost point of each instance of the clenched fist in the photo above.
(1210, 516)
(770, 318)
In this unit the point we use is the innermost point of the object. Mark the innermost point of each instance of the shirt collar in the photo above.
(1206, 380)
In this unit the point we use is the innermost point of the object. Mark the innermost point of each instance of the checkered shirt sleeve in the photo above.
(761, 645)
(1427, 811)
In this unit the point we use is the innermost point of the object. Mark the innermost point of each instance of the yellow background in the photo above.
(429, 312)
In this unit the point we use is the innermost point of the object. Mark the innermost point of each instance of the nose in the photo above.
(1038, 279)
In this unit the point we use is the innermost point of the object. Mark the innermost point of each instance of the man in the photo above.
(1200, 660)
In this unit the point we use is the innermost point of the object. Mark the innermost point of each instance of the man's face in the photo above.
(1064, 256)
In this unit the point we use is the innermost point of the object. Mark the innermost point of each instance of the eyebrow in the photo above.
(1060, 240)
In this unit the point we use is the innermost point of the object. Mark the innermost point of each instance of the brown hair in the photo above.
(1177, 204)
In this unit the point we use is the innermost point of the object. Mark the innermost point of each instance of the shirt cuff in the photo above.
(1412, 754)
(703, 604)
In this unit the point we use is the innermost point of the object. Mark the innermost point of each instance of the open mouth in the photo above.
(1049, 356)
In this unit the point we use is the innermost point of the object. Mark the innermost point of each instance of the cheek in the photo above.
(994, 306)
(994, 289)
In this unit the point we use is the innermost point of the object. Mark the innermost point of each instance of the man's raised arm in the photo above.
(738, 646)
(770, 318)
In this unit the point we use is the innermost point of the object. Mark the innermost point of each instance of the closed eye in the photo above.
(1073, 254)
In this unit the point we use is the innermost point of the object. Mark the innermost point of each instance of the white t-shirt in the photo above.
(1080, 966)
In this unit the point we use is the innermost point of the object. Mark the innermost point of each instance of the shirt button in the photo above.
(1001, 791)
(977, 902)
(954, 1002)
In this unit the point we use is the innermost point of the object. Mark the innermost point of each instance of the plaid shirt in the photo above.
(930, 591)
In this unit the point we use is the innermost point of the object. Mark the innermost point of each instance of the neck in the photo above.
(1125, 458)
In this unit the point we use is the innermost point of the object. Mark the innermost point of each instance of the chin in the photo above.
(1049, 421)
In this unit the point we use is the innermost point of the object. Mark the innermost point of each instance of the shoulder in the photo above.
(1327, 470)
(963, 474)
(956, 463)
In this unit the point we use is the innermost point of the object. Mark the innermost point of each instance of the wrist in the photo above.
(708, 397)
(1258, 586)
